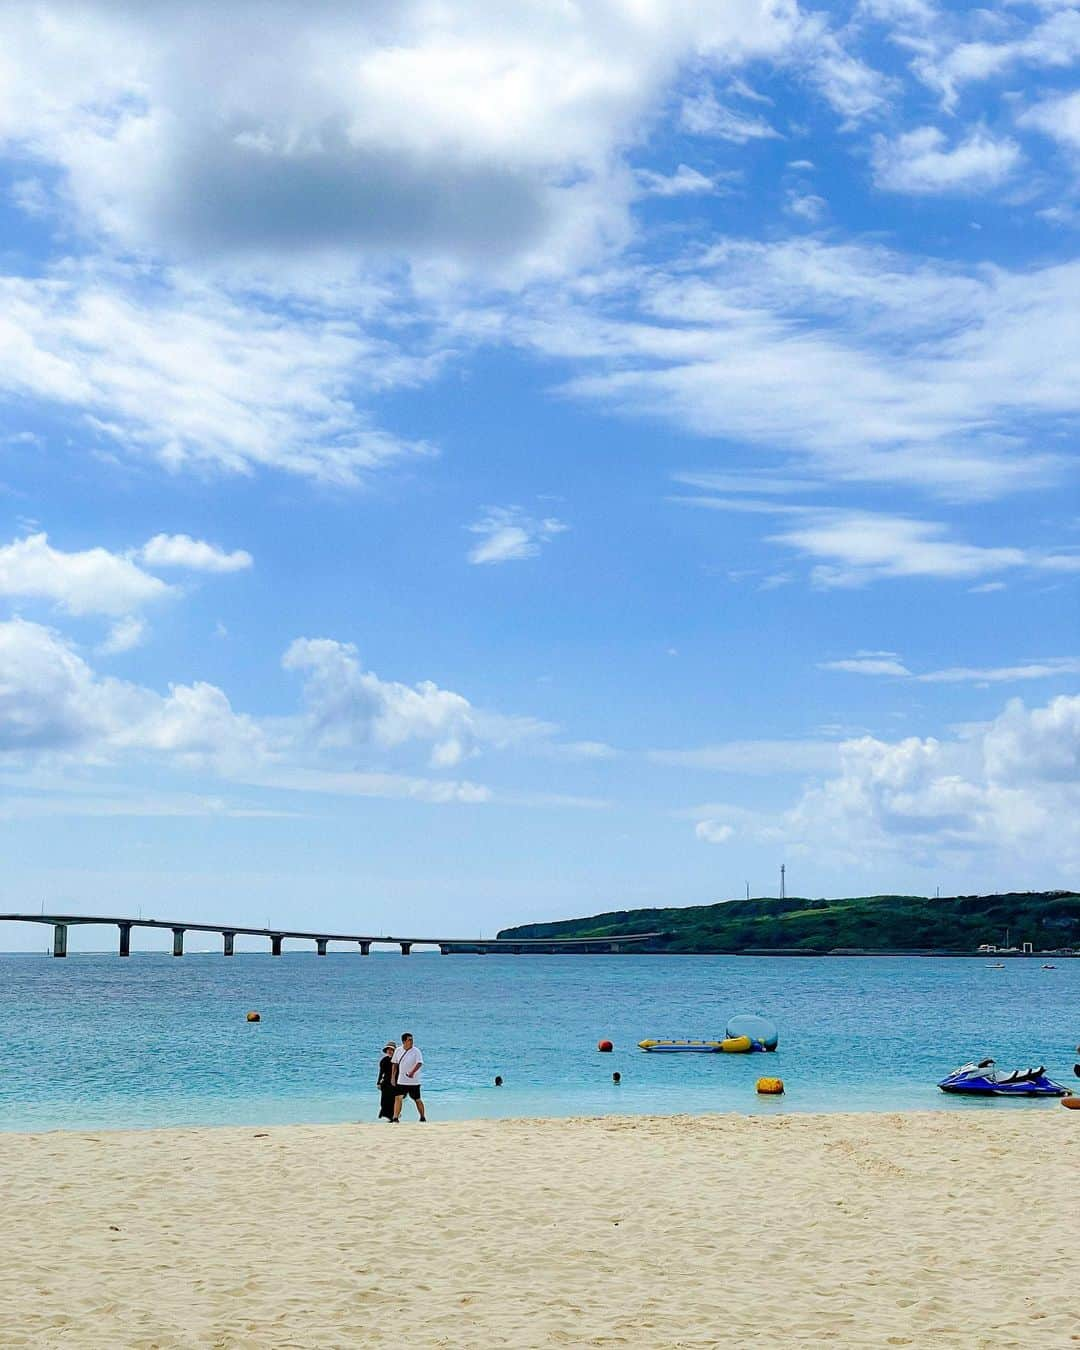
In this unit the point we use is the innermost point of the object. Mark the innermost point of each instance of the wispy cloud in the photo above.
(507, 534)
(854, 363)
(889, 664)
(850, 547)
(684, 182)
(702, 115)
(868, 663)
(196, 380)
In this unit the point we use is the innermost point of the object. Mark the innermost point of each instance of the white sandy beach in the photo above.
(947, 1229)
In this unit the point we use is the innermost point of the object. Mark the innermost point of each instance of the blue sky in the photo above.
(463, 468)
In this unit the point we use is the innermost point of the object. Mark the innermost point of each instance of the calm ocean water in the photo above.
(96, 1041)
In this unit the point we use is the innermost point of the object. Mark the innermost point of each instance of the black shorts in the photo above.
(412, 1091)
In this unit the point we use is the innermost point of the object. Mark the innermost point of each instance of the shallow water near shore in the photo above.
(101, 1042)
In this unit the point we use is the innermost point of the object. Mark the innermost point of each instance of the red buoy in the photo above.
(606, 1046)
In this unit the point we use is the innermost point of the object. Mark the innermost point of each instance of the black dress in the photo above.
(386, 1088)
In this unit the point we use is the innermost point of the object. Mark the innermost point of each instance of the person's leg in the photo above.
(420, 1108)
(398, 1100)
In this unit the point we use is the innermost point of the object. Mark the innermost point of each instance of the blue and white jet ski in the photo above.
(983, 1080)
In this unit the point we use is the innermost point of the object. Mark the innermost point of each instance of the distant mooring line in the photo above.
(229, 932)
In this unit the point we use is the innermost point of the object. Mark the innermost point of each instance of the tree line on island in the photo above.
(1049, 920)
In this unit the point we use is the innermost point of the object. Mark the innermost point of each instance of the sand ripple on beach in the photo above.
(949, 1229)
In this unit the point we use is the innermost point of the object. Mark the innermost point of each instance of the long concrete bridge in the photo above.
(229, 932)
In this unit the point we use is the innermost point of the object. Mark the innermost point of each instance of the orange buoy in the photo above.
(254, 1017)
(770, 1087)
(1073, 1103)
(605, 1046)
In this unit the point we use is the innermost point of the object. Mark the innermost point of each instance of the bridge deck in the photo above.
(229, 931)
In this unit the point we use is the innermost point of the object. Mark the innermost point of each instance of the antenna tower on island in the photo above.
(783, 886)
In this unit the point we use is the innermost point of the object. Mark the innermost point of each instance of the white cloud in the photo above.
(887, 663)
(854, 89)
(1008, 790)
(806, 206)
(508, 535)
(348, 708)
(857, 547)
(1058, 117)
(1011, 789)
(124, 635)
(354, 734)
(685, 181)
(468, 134)
(714, 831)
(702, 115)
(854, 363)
(1027, 670)
(198, 380)
(180, 550)
(93, 581)
(919, 162)
(948, 65)
(51, 700)
(875, 663)
(853, 548)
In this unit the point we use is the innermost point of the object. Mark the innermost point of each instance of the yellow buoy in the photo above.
(254, 1017)
(736, 1045)
(770, 1087)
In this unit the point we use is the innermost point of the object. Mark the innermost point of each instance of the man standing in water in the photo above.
(408, 1063)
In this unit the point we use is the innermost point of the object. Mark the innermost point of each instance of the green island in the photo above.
(954, 925)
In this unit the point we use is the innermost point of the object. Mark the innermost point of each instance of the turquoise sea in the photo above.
(96, 1041)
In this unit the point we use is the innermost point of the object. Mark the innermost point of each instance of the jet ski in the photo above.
(984, 1080)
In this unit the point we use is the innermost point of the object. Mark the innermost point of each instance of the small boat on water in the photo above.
(995, 965)
(984, 1080)
(1049, 965)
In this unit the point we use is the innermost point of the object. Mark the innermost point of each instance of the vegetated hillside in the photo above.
(1050, 920)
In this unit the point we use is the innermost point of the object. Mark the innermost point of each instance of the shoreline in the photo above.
(860, 1229)
(1004, 1108)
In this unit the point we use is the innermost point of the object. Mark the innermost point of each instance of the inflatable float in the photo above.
(668, 1047)
(743, 1035)
(761, 1031)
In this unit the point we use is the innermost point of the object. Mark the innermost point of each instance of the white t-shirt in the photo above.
(409, 1063)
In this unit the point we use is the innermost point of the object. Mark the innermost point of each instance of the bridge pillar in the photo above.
(444, 949)
(275, 944)
(125, 939)
(614, 946)
(59, 940)
(177, 942)
(406, 948)
(320, 945)
(365, 949)
(229, 940)
(481, 951)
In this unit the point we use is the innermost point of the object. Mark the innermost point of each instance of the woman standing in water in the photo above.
(385, 1082)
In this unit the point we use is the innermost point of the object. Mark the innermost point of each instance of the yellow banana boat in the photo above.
(730, 1045)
